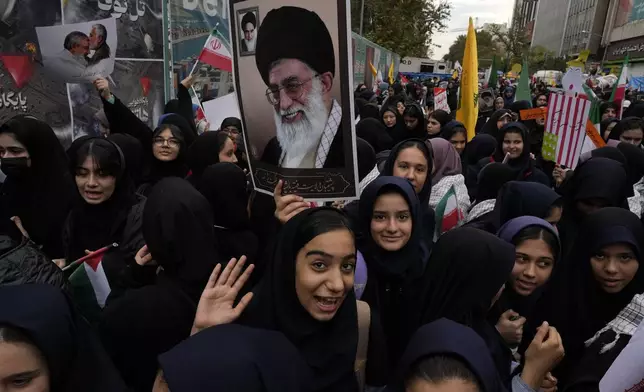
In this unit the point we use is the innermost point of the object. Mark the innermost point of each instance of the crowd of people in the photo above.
(144, 260)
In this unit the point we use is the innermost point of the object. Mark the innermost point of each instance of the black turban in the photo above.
(249, 17)
(294, 33)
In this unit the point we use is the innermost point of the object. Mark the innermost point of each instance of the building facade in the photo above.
(584, 27)
(525, 13)
(624, 35)
(549, 25)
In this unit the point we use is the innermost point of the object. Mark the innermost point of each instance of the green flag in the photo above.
(491, 83)
(595, 114)
(523, 90)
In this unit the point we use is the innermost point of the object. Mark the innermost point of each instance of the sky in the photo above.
(488, 11)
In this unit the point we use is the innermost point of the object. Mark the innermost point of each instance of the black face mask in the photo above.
(15, 167)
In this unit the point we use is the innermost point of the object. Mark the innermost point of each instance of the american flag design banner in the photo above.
(565, 129)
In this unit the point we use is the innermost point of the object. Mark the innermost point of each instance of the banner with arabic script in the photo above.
(24, 86)
(191, 22)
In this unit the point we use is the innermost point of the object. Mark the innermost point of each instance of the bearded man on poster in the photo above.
(296, 59)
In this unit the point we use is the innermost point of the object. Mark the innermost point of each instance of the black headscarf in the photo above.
(393, 284)
(205, 152)
(447, 338)
(231, 122)
(329, 348)
(176, 168)
(490, 126)
(490, 180)
(245, 359)
(481, 146)
(188, 131)
(608, 105)
(366, 158)
(443, 118)
(133, 153)
(451, 128)
(143, 323)
(523, 166)
(369, 111)
(75, 359)
(576, 305)
(94, 226)
(375, 133)
(510, 299)
(624, 125)
(466, 270)
(399, 129)
(178, 230)
(420, 131)
(634, 161)
(43, 194)
(518, 198)
(603, 126)
(388, 169)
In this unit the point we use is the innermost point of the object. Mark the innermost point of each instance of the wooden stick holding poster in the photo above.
(295, 99)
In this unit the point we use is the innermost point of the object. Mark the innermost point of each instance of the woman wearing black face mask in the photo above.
(38, 189)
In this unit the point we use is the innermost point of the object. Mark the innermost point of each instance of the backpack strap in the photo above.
(364, 324)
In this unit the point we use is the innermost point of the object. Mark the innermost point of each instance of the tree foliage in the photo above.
(514, 41)
(402, 26)
(540, 58)
(487, 48)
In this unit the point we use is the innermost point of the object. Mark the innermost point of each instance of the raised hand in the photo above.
(510, 326)
(216, 305)
(287, 206)
(103, 87)
(143, 256)
(543, 354)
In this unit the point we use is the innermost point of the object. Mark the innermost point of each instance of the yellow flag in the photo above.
(374, 71)
(469, 94)
(391, 73)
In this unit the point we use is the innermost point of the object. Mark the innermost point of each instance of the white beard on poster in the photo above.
(299, 140)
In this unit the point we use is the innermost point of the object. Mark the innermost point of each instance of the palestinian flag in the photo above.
(89, 283)
(448, 215)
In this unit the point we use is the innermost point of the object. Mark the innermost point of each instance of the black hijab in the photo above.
(447, 338)
(369, 110)
(329, 348)
(603, 126)
(42, 194)
(451, 128)
(491, 178)
(366, 158)
(398, 131)
(75, 359)
(394, 281)
(388, 169)
(406, 262)
(375, 133)
(575, 304)
(443, 118)
(518, 198)
(420, 131)
(624, 125)
(146, 322)
(231, 122)
(490, 127)
(133, 153)
(94, 226)
(634, 161)
(481, 146)
(466, 270)
(205, 152)
(176, 168)
(523, 166)
(245, 359)
(178, 230)
(188, 130)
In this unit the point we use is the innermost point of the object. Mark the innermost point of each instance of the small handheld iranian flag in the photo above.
(90, 279)
(619, 90)
(216, 53)
(448, 215)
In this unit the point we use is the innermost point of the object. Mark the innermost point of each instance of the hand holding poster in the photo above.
(565, 129)
(295, 98)
(80, 52)
(440, 99)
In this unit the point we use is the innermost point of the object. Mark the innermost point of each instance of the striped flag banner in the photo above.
(565, 129)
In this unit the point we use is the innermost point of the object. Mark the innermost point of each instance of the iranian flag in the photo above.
(448, 215)
(619, 90)
(89, 280)
(216, 53)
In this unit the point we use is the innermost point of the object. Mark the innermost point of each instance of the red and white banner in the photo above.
(566, 127)
(440, 99)
(216, 54)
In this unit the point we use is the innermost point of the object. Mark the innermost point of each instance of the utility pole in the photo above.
(361, 16)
